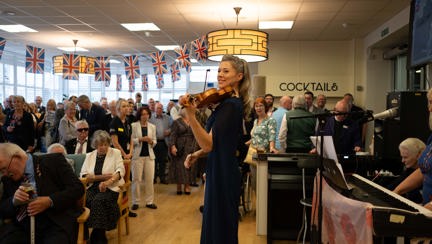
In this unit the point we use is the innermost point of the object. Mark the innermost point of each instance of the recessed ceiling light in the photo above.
(16, 28)
(114, 61)
(73, 49)
(141, 26)
(167, 47)
(193, 60)
(275, 24)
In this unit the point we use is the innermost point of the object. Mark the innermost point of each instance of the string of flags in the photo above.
(72, 64)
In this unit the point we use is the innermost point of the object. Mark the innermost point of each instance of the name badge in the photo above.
(120, 129)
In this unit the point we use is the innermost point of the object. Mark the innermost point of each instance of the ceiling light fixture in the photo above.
(141, 26)
(167, 47)
(250, 45)
(275, 25)
(16, 28)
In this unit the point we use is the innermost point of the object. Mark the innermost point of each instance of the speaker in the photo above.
(412, 121)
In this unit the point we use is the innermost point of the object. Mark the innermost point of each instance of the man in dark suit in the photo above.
(344, 130)
(92, 113)
(53, 201)
(80, 144)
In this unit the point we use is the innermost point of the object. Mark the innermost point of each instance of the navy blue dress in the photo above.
(222, 193)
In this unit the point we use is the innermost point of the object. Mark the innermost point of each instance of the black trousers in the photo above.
(161, 154)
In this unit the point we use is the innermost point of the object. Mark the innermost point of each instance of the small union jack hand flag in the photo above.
(175, 72)
(71, 66)
(102, 69)
(119, 82)
(159, 81)
(144, 80)
(159, 63)
(35, 58)
(183, 57)
(199, 47)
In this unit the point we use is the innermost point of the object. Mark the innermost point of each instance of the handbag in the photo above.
(249, 156)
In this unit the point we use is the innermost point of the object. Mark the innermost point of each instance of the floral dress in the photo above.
(263, 133)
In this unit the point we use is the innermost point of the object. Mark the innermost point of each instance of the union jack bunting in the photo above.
(144, 80)
(71, 64)
(131, 85)
(199, 47)
(183, 57)
(132, 67)
(159, 63)
(175, 72)
(102, 69)
(35, 58)
(159, 81)
(119, 82)
(2, 45)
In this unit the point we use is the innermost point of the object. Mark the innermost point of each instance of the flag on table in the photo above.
(159, 63)
(131, 85)
(182, 54)
(159, 81)
(71, 64)
(144, 80)
(175, 72)
(119, 82)
(102, 69)
(2, 46)
(199, 47)
(132, 67)
(35, 58)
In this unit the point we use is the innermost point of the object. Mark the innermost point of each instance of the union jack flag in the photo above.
(159, 81)
(199, 47)
(131, 85)
(183, 57)
(132, 67)
(175, 72)
(2, 45)
(35, 58)
(71, 66)
(119, 82)
(102, 69)
(144, 80)
(159, 63)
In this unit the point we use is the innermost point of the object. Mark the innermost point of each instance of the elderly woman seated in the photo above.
(104, 170)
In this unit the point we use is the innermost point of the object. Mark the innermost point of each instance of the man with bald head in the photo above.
(285, 104)
(345, 131)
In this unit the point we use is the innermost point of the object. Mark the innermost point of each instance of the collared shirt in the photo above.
(162, 124)
(84, 146)
(278, 116)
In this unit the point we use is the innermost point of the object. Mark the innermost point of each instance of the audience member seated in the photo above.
(410, 150)
(345, 131)
(80, 144)
(294, 134)
(55, 192)
(59, 148)
(104, 170)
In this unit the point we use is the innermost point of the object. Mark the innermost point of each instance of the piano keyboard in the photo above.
(386, 198)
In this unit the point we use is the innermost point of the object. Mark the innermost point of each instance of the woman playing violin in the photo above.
(220, 141)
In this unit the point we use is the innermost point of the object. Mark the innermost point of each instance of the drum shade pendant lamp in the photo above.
(86, 64)
(248, 44)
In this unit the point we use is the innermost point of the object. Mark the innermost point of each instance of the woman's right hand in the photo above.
(190, 159)
(174, 150)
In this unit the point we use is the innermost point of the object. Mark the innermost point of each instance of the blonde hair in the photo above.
(414, 146)
(241, 66)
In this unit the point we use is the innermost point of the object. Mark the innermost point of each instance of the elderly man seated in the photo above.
(41, 186)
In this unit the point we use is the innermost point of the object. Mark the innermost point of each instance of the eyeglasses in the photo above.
(6, 169)
(82, 129)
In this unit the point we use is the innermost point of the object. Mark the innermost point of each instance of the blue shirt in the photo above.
(278, 116)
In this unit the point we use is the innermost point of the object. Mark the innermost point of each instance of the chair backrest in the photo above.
(126, 163)
(79, 161)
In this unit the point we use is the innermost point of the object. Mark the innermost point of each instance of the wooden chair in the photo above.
(84, 215)
(123, 201)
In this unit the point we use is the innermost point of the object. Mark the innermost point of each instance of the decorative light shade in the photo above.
(250, 45)
(86, 65)
(58, 64)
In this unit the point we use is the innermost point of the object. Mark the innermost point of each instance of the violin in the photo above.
(210, 96)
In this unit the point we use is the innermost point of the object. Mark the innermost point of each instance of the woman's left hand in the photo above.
(273, 150)
(103, 186)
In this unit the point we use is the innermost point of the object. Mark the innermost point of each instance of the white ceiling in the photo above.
(96, 23)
